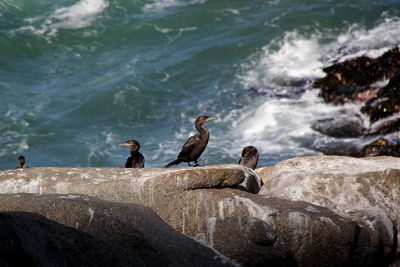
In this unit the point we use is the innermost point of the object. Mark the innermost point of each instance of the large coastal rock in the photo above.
(366, 190)
(28, 239)
(131, 234)
(312, 235)
(132, 181)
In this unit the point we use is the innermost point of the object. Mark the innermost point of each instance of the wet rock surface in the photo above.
(312, 235)
(374, 82)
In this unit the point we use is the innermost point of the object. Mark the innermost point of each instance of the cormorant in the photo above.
(249, 157)
(195, 145)
(136, 160)
(22, 164)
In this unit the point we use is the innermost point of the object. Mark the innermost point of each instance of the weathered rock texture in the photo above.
(366, 190)
(247, 240)
(132, 235)
(185, 198)
(28, 239)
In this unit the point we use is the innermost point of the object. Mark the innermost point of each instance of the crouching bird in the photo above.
(136, 160)
(249, 157)
(195, 145)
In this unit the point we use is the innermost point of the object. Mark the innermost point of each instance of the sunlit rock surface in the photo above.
(364, 189)
(186, 198)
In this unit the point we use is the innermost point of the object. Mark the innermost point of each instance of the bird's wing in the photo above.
(189, 145)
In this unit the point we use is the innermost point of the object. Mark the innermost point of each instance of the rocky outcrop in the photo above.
(362, 80)
(86, 231)
(366, 190)
(247, 240)
(312, 235)
(28, 239)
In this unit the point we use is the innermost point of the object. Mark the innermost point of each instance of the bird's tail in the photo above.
(175, 162)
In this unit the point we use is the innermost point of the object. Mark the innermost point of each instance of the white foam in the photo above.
(297, 58)
(277, 124)
(160, 5)
(79, 15)
(303, 57)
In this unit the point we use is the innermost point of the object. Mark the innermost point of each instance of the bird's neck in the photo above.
(203, 130)
(134, 151)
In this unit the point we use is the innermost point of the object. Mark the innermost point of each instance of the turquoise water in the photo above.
(78, 77)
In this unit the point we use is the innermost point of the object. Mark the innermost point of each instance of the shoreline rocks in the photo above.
(374, 82)
(366, 190)
(132, 233)
(188, 198)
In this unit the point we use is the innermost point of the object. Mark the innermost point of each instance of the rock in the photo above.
(363, 80)
(380, 147)
(342, 125)
(47, 180)
(252, 183)
(265, 173)
(135, 232)
(28, 239)
(313, 235)
(346, 80)
(247, 240)
(346, 185)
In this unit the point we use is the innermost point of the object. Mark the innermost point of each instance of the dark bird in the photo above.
(136, 160)
(249, 157)
(22, 163)
(195, 145)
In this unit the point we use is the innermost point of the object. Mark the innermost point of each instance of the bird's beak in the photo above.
(125, 144)
(211, 118)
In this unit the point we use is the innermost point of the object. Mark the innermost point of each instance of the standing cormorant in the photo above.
(195, 145)
(136, 160)
(249, 157)
(22, 164)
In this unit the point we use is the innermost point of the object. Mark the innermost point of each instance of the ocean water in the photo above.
(78, 77)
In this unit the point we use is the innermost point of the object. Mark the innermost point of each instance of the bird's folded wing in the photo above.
(189, 145)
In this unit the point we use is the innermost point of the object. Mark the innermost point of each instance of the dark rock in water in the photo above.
(387, 101)
(28, 239)
(132, 235)
(388, 127)
(340, 126)
(353, 80)
(247, 240)
(346, 79)
(380, 147)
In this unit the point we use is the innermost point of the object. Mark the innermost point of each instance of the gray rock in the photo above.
(265, 173)
(313, 235)
(348, 186)
(247, 240)
(28, 239)
(135, 230)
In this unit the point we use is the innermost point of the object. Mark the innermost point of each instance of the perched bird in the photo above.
(136, 160)
(249, 157)
(195, 145)
(22, 163)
